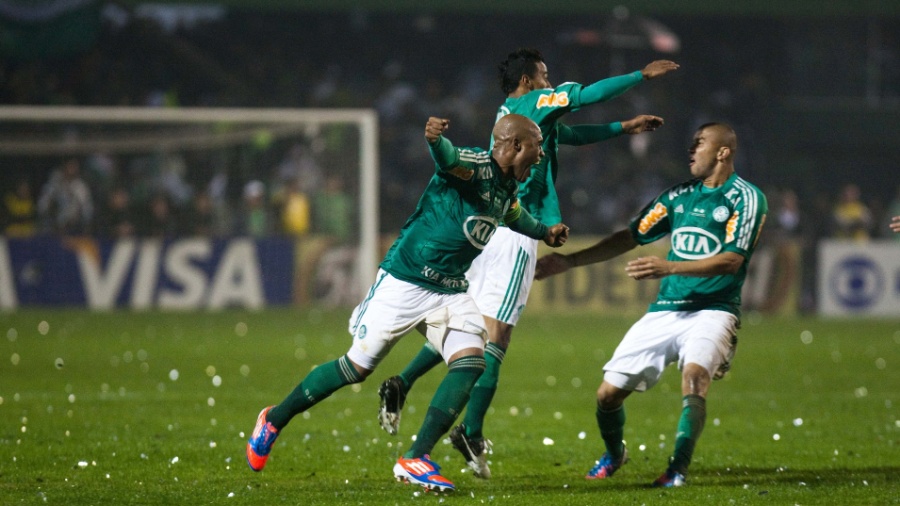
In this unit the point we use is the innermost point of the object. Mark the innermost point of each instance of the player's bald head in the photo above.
(514, 126)
(720, 134)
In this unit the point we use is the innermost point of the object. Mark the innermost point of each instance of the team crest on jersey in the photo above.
(694, 243)
(479, 230)
(720, 214)
(560, 99)
(361, 332)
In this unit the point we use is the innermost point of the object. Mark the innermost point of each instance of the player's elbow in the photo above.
(732, 263)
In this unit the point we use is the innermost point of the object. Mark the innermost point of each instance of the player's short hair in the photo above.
(521, 62)
(727, 135)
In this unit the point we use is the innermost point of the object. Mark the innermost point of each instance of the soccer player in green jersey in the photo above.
(421, 285)
(501, 277)
(714, 221)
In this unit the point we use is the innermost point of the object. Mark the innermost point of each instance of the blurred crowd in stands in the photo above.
(407, 67)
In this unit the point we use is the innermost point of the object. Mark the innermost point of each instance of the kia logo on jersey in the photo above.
(694, 243)
(479, 230)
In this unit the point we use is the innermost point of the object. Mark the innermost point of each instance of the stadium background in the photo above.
(812, 88)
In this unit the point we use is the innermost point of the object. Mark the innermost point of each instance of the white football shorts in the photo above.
(707, 338)
(393, 308)
(500, 278)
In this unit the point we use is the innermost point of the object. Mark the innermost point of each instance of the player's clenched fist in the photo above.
(556, 235)
(434, 128)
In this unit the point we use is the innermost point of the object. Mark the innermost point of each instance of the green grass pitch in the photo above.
(155, 408)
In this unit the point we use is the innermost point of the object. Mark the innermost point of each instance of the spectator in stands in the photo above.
(294, 208)
(254, 218)
(852, 217)
(201, 220)
(19, 213)
(117, 219)
(161, 220)
(65, 204)
(333, 210)
(894, 210)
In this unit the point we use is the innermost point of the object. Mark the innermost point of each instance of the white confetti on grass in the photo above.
(173, 374)
(240, 329)
(59, 363)
(217, 381)
(548, 442)
(43, 328)
(798, 422)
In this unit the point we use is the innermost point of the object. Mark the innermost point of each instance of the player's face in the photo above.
(703, 153)
(531, 153)
(541, 78)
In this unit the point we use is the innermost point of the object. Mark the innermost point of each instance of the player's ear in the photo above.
(525, 81)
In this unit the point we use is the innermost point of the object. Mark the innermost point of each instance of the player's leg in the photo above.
(500, 281)
(319, 384)
(377, 323)
(499, 333)
(707, 344)
(464, 347)
(637, 364)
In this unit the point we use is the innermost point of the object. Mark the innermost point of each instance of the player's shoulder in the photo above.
(680, 189)
(747, 190)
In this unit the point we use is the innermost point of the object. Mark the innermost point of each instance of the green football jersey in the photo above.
(703, 222)
(537, 194)
(455, 218)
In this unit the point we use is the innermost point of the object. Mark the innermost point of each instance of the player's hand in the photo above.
(552, 264)
(556, 235)
(895, 224)
(648, 268)
(658, 68)
(434, 128)
(642, 123)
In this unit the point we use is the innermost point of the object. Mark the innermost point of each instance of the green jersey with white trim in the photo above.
(545, 107)
(703, 222)
(455, 218)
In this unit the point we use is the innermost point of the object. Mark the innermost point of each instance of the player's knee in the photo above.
(610, 397)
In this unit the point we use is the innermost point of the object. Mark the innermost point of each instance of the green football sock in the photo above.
(320, 383)
(612, 430)
(483, 392)
(690, 426)
(447, 403)
(424, 361)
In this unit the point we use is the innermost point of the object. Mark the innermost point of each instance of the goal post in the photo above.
(34, 137)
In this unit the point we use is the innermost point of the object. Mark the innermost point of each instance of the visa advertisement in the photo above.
(178, 274)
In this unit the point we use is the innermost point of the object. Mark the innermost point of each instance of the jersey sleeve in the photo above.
(745, 224)
(653, 222)
(457, 162)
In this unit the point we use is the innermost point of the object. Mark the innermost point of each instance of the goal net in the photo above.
(198, 179)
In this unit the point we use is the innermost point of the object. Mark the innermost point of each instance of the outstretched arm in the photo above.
(579, 135)
(614, 86)
(655, 267)
(607, 248)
